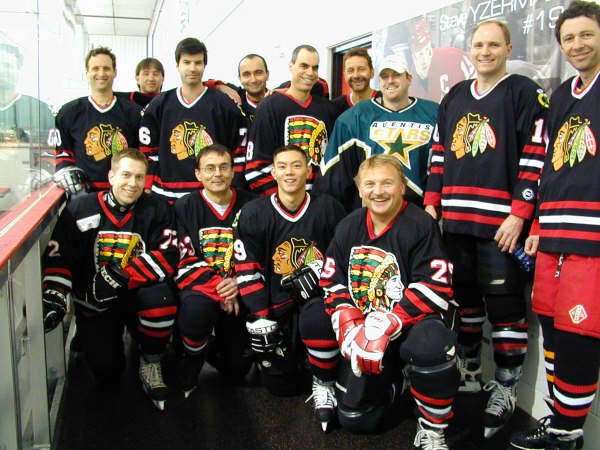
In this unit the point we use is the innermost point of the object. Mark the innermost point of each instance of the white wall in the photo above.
(233, 28)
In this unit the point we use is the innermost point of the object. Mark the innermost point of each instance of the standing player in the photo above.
(179, 123)
(436, 70)
(293, 117)
(358, 73)
(566, 238)
(114, 251)
(205, 277)
(393, 123)
(387, 290)
(93, 129)
(485, 166)
(149, 76)
(279, 255)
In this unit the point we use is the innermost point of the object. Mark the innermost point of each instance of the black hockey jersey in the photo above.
(344, 102)
(281, 120)
(173, 133)
(206, 241)
(569, 197)
(136, 97)
(89, 135)
(91, 232)
(487, 155)
(273, 242)
(403, 269)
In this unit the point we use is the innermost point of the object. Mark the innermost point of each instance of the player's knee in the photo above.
(196, 317)
(505, 308)
(314, 322)
(429, 343)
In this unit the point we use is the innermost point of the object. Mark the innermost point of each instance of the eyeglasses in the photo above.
(212, 169)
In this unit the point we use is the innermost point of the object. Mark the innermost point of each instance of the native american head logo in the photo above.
(575, 139)
(472, 135)
(217, 248)
(188, 139)
(104, 140)
(117, 247)
(309, 134)
(292, 254)
(374, 276)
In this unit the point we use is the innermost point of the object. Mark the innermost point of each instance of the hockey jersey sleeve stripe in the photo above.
(522, 209)
(531, 176)
(594, 206)
(538, 150)
(250, 289)
(536, 164)
(430, 294)
(562, 233)
(432, 198)
(436, 170)
(248, 267)
(474, 204)
(242, 279)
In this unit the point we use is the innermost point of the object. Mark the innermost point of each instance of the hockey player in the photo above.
(114, 251)
(278, 256)
(565, 237)
(93, 129)
(206, 279)
(388, 291)
(180, 122)
(149, 76)
(393, 123)
(435, 70)
(358, 73)
(485, 166)
(294, 117)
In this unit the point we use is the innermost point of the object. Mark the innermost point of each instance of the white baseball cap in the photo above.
(395, 62)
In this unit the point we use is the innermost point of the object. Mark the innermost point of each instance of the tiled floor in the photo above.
(221, 416)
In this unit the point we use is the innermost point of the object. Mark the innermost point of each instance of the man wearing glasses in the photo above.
(208, 289)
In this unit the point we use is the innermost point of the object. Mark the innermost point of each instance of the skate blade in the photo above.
(324, 426)
(160, 404)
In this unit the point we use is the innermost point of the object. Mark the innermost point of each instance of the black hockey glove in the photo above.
(265, 336)
(72, 179)
(54, 305)
(107, 284)
(303, 283)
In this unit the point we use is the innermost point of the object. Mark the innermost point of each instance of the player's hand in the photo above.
(303, 283)
(265, 336)
(432, 211)
(229, 92)
(72, 179)
(107, 284)
(54, 305)
(345, 320)
(228, 291)
(508, 233)
(531, 244)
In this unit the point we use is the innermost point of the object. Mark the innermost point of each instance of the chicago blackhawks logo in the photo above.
(374, 276)
(307, 133)
(399, 138)
(575, 139)
(188, 139)
(292, 254)
(217, 248)
(117, 247)
(104, 140)
(472, 135)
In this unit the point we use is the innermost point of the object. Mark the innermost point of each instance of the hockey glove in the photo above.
(72, 179)
(54, 304)
(265, 336)
(107, 284)
(303, 283)
(371, 341)
(346, 320)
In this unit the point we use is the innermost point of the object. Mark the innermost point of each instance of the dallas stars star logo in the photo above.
(399, 138)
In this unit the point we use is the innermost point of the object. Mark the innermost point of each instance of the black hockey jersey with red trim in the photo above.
(281, 120)
(92, 232)
(137, 97)
(274, 242)
(403, 269)
(344, 102)
(569, 197)
(206, 241)
(173, 133)
(89, 135)
(487, 155)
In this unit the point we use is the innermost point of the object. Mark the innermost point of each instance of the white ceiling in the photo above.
(116, 17)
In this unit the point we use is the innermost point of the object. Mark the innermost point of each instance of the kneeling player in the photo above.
(278, 257)
(208, 290)
(114, 250)
(387, 285)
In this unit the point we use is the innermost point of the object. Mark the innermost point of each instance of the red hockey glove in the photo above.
(346, 320)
